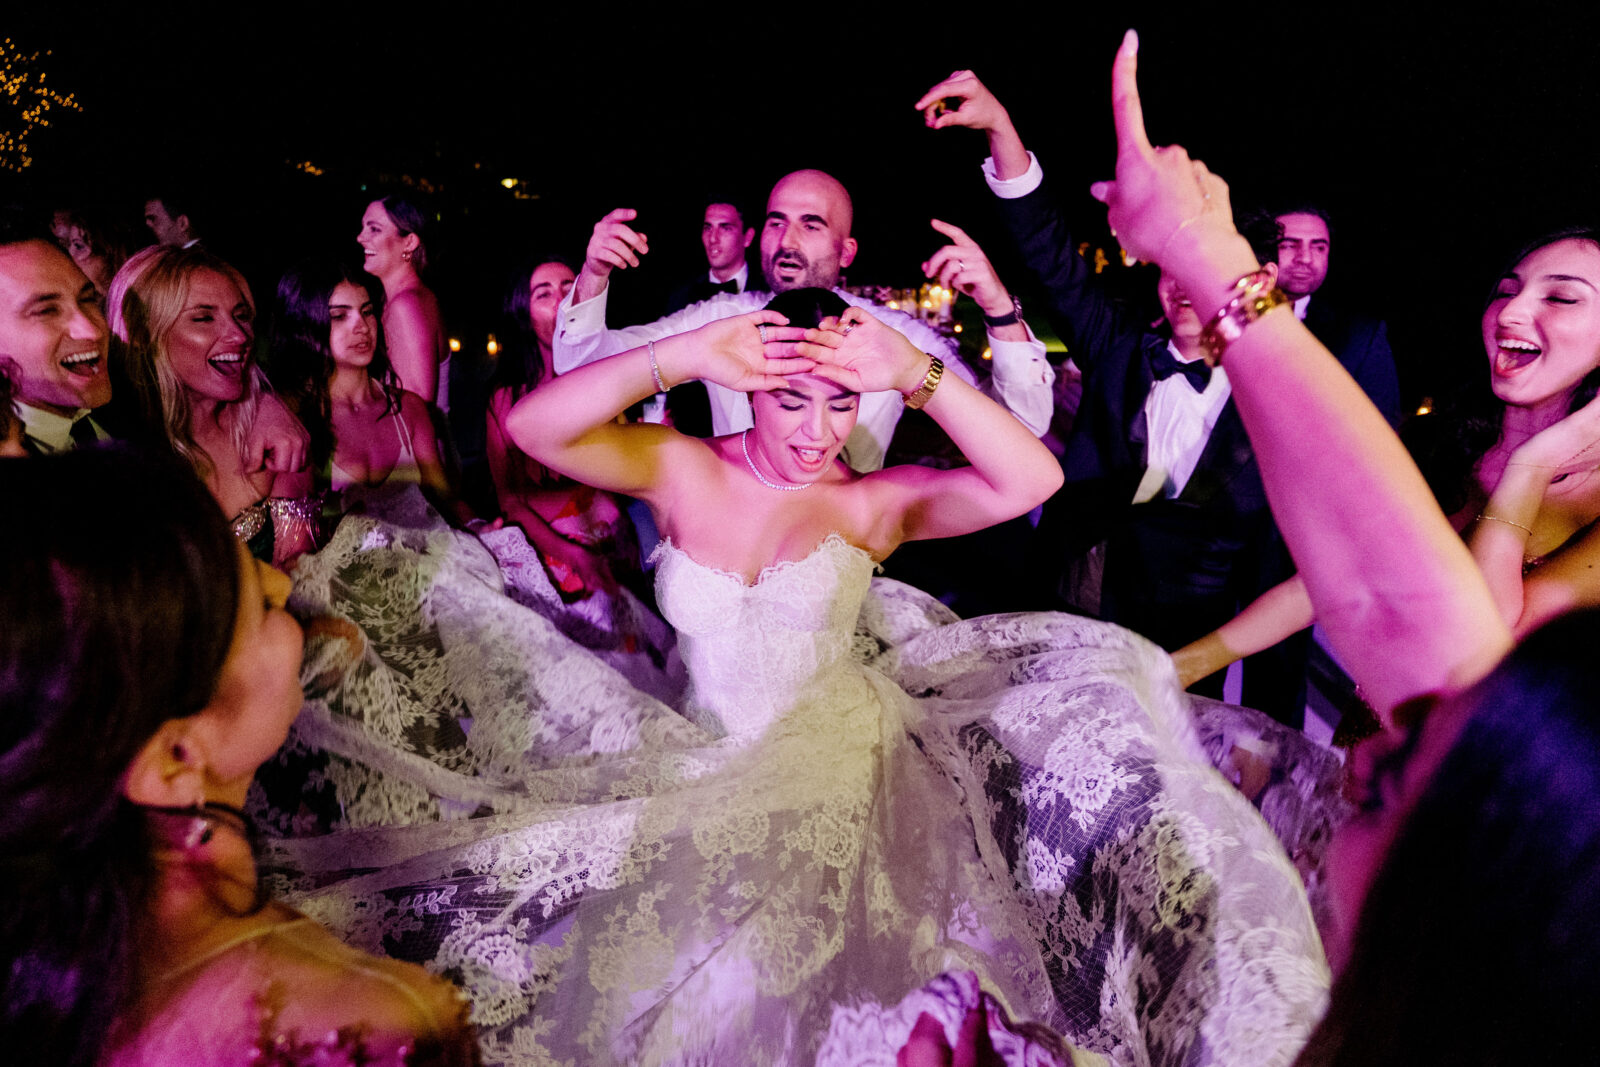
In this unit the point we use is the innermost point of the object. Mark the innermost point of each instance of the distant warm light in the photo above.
(927, 303)
(988, 353)
(509, 183)
(27, 103)
(307, 166)
(455, 344)
(958, 327)
(1424, 408)
(493, 346)
(894, 305)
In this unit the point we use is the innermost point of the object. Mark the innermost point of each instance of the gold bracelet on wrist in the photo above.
(1254, 296)
(1484, 516)
(930, 382)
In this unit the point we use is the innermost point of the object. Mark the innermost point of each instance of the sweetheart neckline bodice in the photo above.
(771, 570)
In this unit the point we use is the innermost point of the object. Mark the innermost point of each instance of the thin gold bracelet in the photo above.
(1484, 516)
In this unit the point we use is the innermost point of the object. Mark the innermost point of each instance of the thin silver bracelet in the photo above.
(655, 368)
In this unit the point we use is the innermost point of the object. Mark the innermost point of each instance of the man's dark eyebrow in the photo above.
(88, 292)
(814, 218)
(46, 298)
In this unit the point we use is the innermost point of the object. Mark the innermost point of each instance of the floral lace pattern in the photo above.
(858, 797)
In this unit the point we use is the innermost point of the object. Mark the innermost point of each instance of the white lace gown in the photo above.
(854, 800)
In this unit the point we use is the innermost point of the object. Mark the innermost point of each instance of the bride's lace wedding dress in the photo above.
(853, 800)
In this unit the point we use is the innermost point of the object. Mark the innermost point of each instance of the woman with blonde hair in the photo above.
(186, 323)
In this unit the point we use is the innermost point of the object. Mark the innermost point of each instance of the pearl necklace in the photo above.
(745, 446)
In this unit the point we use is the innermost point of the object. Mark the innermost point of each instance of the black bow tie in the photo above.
(83, 433)
(729, 286)
(1164, 365)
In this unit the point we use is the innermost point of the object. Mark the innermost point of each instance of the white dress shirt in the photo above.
(1021, 377)
(51, 432)
(741, 277)
(1179, 423)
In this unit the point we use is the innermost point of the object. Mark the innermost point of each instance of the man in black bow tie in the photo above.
(725, 237)
(1163, 501)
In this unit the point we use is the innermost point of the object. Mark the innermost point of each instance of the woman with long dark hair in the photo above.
(132, 921)
(582, 533)
(330, 355)
(1514, 458)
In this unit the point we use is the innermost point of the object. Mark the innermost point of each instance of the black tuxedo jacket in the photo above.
(1361, 344)
(1174, 568)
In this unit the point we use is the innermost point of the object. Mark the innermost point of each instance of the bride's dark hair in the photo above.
(808, 307)
(119, 585)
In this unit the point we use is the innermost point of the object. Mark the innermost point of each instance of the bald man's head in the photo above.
(806, 240)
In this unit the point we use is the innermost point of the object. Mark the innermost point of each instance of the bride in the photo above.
(763, 878)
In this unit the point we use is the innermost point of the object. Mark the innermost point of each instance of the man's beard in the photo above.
(808, 277)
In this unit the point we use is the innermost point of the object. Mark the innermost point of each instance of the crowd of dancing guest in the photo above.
(817, 818)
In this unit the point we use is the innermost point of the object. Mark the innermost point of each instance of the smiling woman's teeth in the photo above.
(226, 360)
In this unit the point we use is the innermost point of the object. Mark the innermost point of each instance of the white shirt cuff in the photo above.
(576, 326)
(1014, 188)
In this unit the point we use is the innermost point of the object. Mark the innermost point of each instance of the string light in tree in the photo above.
(26, 103)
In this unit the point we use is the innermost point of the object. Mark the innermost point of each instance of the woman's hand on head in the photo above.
(737, 353)
(1158, 192)
(863, 355)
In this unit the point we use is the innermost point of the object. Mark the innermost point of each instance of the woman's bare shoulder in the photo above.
(285, 982)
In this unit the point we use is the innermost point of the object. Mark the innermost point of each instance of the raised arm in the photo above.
(1073, 303)
(1396, 590)
(1021, 377)
(569, 423)
(977, 109)
(1011, 472)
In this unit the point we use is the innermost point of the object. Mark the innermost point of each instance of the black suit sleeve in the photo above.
(1079, 310)
(1371, 364)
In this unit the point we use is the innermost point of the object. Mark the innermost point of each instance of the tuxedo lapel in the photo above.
(1226, 456)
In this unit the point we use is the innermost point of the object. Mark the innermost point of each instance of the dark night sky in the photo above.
(1439, 141)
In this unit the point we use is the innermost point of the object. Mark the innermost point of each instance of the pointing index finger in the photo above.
(1126, 110)
(955, 233)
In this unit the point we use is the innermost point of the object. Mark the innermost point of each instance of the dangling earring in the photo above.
(406, 255)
